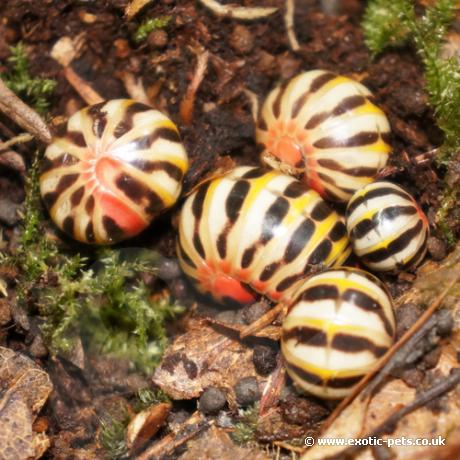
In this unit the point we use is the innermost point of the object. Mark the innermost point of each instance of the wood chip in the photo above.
(238, 12)
(134, 7)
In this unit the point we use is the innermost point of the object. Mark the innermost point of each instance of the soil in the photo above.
(250, 56)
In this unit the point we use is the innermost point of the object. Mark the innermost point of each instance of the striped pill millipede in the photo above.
(252, 232)
(118, 165)
(324, 128)
(387, 228)
(340, 323)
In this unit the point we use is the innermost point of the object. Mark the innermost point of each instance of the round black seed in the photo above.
(212, 400)
(169, 270)
(264, 359)
(247, 391)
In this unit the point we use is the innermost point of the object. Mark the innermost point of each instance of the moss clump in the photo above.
(101, 300)
(149, 25)
(245, 429)
(35, 90)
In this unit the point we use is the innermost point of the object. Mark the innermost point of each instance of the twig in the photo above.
(390, 353)
(134, 87)
(273, 387)
(237, 12)
(289, 21)
(186, 105)
(23, 115)
(82, 87)
(21, 138)
(443, 385)
(192, 427)
(254, 103)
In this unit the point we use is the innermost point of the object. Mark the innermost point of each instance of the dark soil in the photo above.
(253, 56)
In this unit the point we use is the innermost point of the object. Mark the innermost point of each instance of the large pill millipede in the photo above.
(118, 165)
(251, 231)
(339, 324)
(323, 127)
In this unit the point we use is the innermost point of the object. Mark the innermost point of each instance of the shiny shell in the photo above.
(387, 228)
(250, 232)
(118, 165)
(323, 127)
(340, 323)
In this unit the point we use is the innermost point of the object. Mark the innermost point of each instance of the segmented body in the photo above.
(340, 323)
(387, 228)
(119, 164)
(324, 127)
(250, 232)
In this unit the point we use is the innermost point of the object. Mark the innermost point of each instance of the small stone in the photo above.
(302, 411)
(436, 248)
(122, 49)
(247, 391)
(169, 270)
(212, 400)
(38, 348)
(10, 212)
(241, 39)
(157, 39)
(406, 316)
(432, 357)
(264, 359)
(254, 311)
(179, 289)
(413, 377)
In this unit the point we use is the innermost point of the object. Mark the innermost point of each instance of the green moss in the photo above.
(390, 23)
(147, 397)
(112, 437)
(245, 429)
(35, 90)
(149, 25)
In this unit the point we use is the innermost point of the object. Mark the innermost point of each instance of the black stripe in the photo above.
(338, 231)
(358, 140)
(320, 292)
(294, 190)
(321, 80)
(349, 343)
(287, 282)
(269, 271)
(277, 102)
(248, 257)
(395, 246)
(89, 232)
(347, 104)
(89, 206)
(77, 196)
(321, 211)
(198, 200)
(299, 240)
(66, 159)
(76, 137)
(64, 183)
(316, 120)
(173, 171)
(235, 199)
(262, 124)
(68, 225)
(364, 302)
(417, 257)
(375, 193)
(253, 173)
(114, 232)
(185, 257)
(99, 118)
(198, 245)
(273, 218)
(358, 171)
(306, 336)
(321, 252)
(299, 103)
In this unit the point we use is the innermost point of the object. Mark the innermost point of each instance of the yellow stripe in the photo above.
(367, 109)
(299, 205)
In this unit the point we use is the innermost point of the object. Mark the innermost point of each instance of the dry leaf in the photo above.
(145, 424)
(24, 389)
(216, 443)
(203, 357)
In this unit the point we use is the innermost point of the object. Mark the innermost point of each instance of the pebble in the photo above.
(9, 212)
(302, 411)
(247, 391)
(436, 248)
(157, 39)
(169, 269)
(406, 316)
(264, 359)
(241, 39)
(254, 311)
(212, 400)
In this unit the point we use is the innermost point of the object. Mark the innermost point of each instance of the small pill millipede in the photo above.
(252, 232)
